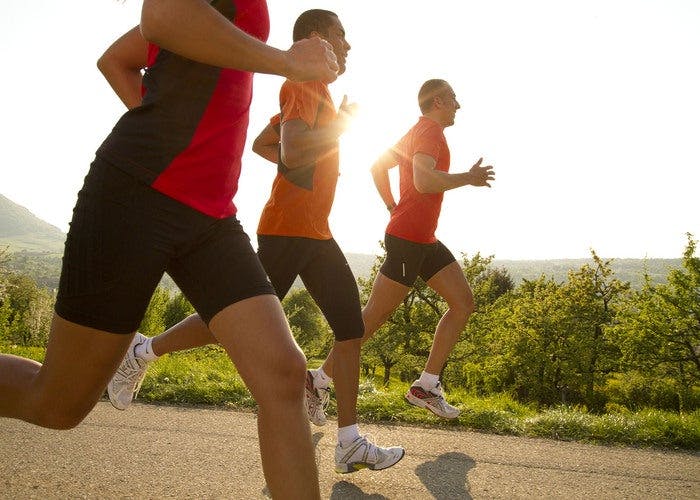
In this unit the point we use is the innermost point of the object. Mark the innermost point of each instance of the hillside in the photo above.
(22, 230)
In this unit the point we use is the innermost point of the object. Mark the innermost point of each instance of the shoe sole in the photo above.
(356, 466)
(113, 401)
(414, 401)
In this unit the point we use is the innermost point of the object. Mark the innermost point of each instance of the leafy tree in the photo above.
(26, 311)
(659, 329)
(545, 342)
(308, 325)
(487, 283)
(587, 300)
(4, 259)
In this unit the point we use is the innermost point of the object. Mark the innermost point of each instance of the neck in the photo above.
(434, 117)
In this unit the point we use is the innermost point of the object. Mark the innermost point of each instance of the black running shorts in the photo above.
(325, 273)
(122, 238)
(406, 260)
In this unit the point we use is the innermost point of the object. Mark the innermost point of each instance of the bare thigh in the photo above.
(385, 297)
(453, 286)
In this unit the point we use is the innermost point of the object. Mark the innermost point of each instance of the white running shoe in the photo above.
(432, 400)
(126, 382)
(363, 454)
(317, 400)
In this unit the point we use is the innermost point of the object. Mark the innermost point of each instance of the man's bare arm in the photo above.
(267, 143)
(427, 179)
(195, 30)
(380, 175)
(121, 65)
(303, 145)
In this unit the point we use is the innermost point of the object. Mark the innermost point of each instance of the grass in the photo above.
(205, 376)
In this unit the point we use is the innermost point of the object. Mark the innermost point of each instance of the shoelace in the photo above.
(134, 374)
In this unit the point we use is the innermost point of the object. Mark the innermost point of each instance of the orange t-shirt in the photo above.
(416, 215)
(301, 198)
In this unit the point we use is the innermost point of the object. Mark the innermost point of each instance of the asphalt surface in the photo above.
(171, 452)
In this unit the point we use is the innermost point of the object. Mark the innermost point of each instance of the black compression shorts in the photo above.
(122, 238)
(325, 273)
(406, 260)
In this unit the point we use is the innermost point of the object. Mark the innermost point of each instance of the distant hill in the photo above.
(631, 270)
(36, 248)
(22, 230)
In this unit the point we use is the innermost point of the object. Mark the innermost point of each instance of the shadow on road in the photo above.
(446, 476)
(344, 490)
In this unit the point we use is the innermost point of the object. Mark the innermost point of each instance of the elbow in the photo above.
(103, 63)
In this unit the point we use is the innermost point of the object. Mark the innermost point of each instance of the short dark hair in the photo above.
(429, 90)
(318, 20)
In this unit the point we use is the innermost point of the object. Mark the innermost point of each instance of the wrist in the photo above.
(391, 206)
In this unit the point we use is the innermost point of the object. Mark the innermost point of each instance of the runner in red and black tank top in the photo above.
(187, 138)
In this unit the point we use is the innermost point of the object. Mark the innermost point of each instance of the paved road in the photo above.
(170, 452)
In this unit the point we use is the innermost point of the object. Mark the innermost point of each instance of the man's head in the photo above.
(437, 100)
(324, 24)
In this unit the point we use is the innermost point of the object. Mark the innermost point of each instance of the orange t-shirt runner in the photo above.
(415, 218)
(301, 198)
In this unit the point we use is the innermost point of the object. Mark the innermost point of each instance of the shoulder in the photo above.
(314, 91)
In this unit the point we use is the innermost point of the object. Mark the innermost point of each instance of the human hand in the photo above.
(346, 112)
(480, 176)
(312, 59)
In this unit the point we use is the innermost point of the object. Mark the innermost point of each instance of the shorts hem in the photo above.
(92, 322)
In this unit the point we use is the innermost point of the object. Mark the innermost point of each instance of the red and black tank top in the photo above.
(187, 137)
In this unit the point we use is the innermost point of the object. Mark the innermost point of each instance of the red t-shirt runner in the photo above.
(415, 218)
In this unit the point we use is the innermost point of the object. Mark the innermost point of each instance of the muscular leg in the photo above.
(385, 297)
(346, 379)
(451, 284)
(254, 332)
(60, 392)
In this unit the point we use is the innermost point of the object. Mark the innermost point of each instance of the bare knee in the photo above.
(58, 415)
(286, 380)
(462, 308)
(61, 422)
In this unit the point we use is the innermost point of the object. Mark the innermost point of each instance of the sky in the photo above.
(588, 110)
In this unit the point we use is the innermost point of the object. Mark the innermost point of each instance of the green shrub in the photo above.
(636, 391)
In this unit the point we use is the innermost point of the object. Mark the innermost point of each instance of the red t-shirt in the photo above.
(301, 198)
(416, 215)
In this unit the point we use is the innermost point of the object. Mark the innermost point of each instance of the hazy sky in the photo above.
(589, 111)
